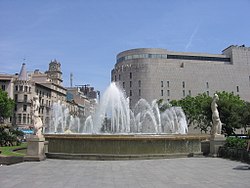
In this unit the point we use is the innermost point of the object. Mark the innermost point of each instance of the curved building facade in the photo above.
(152, 73)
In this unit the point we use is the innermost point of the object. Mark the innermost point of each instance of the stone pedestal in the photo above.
(215, 142)
(35, 149)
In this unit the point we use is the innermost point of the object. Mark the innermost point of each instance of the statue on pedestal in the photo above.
(37, 122)
(217, 125)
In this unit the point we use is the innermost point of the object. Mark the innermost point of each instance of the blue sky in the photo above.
(86, 35)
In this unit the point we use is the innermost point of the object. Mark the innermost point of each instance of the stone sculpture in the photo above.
(37, 122)
(217, 125)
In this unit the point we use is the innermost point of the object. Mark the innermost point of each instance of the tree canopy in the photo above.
(234, 112)
(6, 105)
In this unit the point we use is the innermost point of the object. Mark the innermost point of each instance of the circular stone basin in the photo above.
(114, 147)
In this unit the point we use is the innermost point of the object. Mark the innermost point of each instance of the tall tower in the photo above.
(54, 72)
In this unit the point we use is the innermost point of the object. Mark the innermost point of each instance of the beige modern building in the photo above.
(161, 74)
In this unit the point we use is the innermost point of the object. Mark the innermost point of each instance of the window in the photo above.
(237, 89)
(21, 88)
(130, 75)
(207, 85)
(139, 92)
(161, 92)
(161, 83)
(189, 93)
(183, 93)
(19, 118)
(130, 84)
(115, 78)
(199, 58)
(123, 85)
(16, 88)
(167, 83)
(130, 93)
(25, 88)
(119, 77)
(183, 84)
(168, 93)
(139, 83)
(16, 97)
(207, 93)
(24, 118)
(3, 87)
(25, 98)
(28, 119)
(24, 108)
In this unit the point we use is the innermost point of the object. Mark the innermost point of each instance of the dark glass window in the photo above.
(16, 97)
(3, 87)
(25, 98)
(24, 108)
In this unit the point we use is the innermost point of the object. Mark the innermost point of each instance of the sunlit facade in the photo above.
(151, 73)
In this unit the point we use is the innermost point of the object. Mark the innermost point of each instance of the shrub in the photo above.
(234, 142)
(9, 136)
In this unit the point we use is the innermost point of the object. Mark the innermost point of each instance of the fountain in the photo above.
(116, 131)
(115, 116)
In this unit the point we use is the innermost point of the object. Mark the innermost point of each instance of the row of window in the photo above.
(26, 119)
(184, 94)
(41, 93)
(22, 88)
(119, 77)
(25, 98)
(168, 85)
(131, 84)
(167, 56)
(23, 119)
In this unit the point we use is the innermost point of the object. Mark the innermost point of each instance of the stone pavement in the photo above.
(173, 173)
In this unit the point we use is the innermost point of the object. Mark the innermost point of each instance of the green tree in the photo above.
(245, 115)
(231, 108)
(234, 112)
(197, 110)
(6, 105)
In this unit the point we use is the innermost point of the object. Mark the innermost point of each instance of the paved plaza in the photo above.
(181, 172)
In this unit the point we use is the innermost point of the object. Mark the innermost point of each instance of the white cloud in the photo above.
(191, 38)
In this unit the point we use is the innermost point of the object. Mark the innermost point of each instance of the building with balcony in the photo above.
(48, 87)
